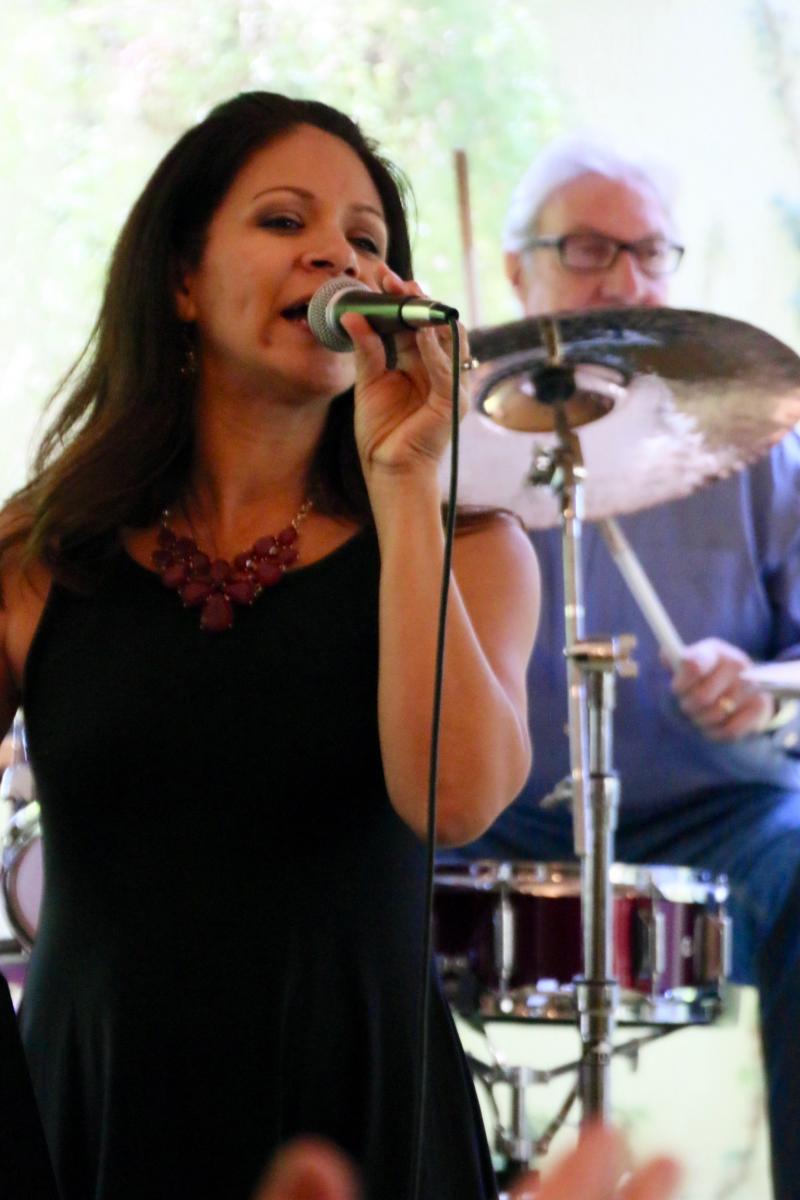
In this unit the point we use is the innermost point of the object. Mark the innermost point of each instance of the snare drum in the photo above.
(22, 873)
(509, 945)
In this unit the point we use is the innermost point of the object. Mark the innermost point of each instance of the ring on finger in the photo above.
(469, 364)
(727, 705)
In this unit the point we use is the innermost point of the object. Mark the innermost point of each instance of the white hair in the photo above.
(569, 158)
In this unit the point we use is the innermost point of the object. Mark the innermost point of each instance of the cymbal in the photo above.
(665, 400)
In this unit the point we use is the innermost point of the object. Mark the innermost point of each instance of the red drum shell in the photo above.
(508, 939)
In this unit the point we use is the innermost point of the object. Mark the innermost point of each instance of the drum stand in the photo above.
(514, 1138)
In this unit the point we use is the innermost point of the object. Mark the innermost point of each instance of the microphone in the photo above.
(385, 313)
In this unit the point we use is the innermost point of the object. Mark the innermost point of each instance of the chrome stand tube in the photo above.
(594, 786)
(596, 990)
(594, 790)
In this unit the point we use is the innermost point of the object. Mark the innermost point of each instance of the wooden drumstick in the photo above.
(643, 592)
(467, 245)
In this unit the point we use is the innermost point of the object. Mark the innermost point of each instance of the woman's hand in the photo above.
(403, 415)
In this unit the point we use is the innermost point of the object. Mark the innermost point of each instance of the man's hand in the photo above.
(711, 691)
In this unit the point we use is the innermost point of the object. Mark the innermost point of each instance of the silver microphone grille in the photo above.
(324, 330)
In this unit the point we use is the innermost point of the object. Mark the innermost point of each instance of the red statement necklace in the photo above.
(216, 586)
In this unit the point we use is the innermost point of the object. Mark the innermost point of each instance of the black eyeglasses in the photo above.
(588, 252)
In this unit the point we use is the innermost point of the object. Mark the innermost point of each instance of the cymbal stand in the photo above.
(591, 668)
(596, 991)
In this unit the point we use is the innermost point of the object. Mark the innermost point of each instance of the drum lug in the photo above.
(727, 945)
(656, 946)
(713, 947)
(504, 940)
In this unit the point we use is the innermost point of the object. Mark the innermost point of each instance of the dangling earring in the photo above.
(188, 368)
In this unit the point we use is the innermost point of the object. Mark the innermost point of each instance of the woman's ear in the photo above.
(183, 291)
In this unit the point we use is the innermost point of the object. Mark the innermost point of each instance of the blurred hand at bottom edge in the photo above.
(599, 1168)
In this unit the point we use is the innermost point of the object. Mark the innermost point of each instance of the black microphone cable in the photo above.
(423, 1009)
(328, 333)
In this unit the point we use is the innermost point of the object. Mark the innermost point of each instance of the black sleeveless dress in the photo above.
(229, 947)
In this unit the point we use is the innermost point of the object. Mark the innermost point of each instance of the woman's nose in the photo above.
(332, 254)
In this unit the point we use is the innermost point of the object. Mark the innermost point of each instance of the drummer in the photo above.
(709, 764)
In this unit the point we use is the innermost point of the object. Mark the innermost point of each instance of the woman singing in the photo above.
(220, 596)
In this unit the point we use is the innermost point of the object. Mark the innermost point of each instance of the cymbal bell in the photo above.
(662, 401)
(514, 404)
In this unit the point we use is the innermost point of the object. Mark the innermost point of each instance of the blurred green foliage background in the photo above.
(95, 91)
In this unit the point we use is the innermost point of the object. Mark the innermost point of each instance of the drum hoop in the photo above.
(24, 830)
(678, 885)
(24, 827)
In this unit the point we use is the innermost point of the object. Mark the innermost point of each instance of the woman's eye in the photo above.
(368, 244)
(279, 221)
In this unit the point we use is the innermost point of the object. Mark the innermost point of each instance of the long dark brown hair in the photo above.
(119, 450)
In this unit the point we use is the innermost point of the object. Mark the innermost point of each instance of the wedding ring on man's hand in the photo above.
(727, 705)
(469, 364)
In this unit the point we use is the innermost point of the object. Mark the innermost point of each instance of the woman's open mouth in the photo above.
(297, 313)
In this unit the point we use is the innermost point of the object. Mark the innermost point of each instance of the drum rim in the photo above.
(675, 884)
(22, 833)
